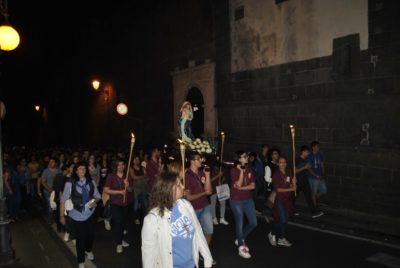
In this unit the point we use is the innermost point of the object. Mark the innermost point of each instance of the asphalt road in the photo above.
(38, 245)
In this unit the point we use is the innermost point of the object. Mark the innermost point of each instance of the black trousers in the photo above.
(118, 219)
(303, 185)
(84, 233)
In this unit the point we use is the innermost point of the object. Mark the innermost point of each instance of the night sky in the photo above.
(64, 45)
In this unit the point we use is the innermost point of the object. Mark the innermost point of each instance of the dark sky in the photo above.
(64, 44)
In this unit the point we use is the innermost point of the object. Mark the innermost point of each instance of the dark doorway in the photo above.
(196, 99)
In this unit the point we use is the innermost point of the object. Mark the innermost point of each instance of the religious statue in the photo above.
(185, 118)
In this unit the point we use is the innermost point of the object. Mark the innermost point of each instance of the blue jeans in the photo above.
(280, 226)
(141, 201)
(14, 202)
(205, 218)
(238, 208)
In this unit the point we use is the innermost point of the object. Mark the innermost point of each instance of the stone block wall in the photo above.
(353, 111)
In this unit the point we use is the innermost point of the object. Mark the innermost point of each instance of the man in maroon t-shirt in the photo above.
(153, 168)
(197, 189)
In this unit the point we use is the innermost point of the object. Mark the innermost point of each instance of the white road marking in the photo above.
(346, 235)
(385, 259)
(47, 259)
(41, 246)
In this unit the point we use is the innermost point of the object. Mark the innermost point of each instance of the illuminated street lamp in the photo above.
(122, 109)
(96, 84)
(9, 37)
(103, 89)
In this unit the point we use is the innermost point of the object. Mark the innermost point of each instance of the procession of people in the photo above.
(173, 196)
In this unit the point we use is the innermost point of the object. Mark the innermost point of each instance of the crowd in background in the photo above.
(102, 188)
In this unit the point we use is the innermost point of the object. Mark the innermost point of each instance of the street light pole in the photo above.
(7, 254)
(9, 40)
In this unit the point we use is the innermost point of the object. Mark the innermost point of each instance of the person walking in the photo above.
(172, 235)
(284, 184)
(120, 190)
(241, 202)
(83, 194)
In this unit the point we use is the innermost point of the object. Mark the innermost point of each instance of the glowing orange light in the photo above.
(96, 84)
(37, 108)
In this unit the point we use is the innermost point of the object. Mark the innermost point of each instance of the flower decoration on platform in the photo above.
(202, 147)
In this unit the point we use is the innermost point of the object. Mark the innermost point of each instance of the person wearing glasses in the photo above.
(241, 202)
(197, 190)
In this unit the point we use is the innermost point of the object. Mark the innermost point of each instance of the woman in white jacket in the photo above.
(171, 235)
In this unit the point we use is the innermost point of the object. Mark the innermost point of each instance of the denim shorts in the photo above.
(205, 218)
(317, 186)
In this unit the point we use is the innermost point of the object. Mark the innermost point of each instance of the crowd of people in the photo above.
(178, 211)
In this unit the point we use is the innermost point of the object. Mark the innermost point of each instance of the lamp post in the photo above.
(7, 253)
(9, 40)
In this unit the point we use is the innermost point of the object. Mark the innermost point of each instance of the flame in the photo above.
(132, 135)
(222, 134)
(291, 126)
(180, 141)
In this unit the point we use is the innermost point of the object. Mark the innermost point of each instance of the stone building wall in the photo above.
(348, 100)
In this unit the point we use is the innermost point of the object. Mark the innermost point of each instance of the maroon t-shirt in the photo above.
(281, 180)
(152, 170)
(214, 172)
(117, 183)
(248, 178)
(194, 183)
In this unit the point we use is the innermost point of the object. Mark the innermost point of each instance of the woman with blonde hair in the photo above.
(171, 234)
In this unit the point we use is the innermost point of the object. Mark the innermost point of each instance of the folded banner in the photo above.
(223, 192)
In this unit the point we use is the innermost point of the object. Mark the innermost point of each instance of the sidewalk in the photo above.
(36, 246)
(381, 230)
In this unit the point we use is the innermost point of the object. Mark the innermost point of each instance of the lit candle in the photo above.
(129, 162)
(293, 131)
(221, 155)
(182, 149)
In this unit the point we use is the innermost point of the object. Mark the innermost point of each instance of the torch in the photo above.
(222, 154)
(293, 131)
(182, 149)
(129, 161)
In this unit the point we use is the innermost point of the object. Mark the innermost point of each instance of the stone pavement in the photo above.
(36, 245)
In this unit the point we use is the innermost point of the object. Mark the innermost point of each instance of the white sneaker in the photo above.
(284, 242)
(125, 244)
(318, 214)
(272, 239)
(66, 236)
(107, 225)
(137, 222)
(82, 265)
(89, 255)
(215, 221)
(119, 249)
(244, 252)
(223, 221)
